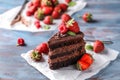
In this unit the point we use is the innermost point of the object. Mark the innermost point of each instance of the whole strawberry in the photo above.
(55, 2)
(37, 24)
(20, 42)
(47, 10)
(39, 14)
(30, 4)
(42, 48)
(87, 17)
(68, 1)
(58, 9)
(73, 26)
(31, 10)
(55, 14)
(65, 17)
(85, 62)
(35, 55)
(98, 46)
(48, 20)
(45, 3)
(62, 28)
(36, 2)
(63, 6)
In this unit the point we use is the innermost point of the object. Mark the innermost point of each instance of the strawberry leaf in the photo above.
(71, 33)
(72, 3)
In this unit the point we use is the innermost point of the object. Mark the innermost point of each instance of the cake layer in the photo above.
(66, 60)
(65, 41)
(66, 50)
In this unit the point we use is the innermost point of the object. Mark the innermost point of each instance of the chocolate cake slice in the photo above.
(65, 49)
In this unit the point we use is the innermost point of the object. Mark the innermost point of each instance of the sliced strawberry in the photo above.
(65, 17)
(47, 10)
(62, 28)
(82, 65)
(87, 58)
(73, 26)
(98, 46)
(55, 14)
(48, 20)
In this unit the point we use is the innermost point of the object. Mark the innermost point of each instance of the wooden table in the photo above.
(14, 67)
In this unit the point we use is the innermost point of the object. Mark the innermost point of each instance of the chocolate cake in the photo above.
(65, 49)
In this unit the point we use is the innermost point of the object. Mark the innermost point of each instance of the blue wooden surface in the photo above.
(13, 67)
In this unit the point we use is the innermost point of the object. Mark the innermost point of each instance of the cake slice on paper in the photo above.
(66, 46)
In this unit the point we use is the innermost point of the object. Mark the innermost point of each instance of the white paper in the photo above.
(71, 73)
(7, 17)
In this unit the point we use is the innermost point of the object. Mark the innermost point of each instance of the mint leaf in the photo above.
(46, 27)
(71, 33)
(72, 3)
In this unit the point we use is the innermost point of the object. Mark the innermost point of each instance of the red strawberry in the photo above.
(48, 20)
(58, 9)
(45, 3)
(32, 9)
(87, 17)
(85, 62)
(39, 14)
(82, 65)
(62, 28)
(28, 13)
(73, 26)
(87, 58)
(55, 14)
(20, 42)
(42, 48)
(65, 17)
(47, 10)
(68, 1)
(30, 4)
(35, 55)
(36, 2)
(98, 46)
(55, 2)
(37, 24)
(63, 6)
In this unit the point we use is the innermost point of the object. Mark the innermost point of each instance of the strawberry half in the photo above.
(85, 62)
(98, 46)
(82, 65)
(87, 58)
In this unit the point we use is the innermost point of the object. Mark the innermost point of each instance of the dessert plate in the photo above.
(7, 17)
(71, 73)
